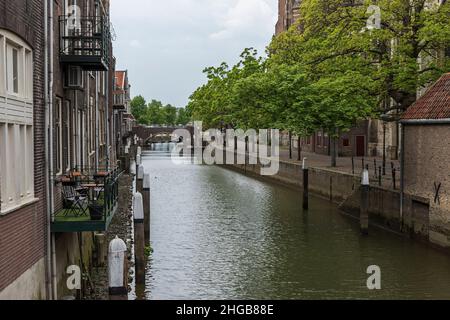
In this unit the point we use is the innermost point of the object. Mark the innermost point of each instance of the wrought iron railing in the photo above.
(89, 194)
(85, 40)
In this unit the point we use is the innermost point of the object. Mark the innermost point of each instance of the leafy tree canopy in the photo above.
(155, 113)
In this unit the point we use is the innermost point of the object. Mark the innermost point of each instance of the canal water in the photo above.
(218, 234)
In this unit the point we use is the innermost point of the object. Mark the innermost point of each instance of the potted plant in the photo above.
(96, 210)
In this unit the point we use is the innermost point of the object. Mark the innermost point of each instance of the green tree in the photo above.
(155, 113)
(406, 53)
(183, 116)
(329, 71)
(170, 114)
(139, 109)
(214, 103)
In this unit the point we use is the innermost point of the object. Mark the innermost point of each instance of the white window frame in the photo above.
(68, 137)
(13, 70)
(16, 126)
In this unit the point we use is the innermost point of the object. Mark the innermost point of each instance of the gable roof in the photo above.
(434, 104)
(120, 80)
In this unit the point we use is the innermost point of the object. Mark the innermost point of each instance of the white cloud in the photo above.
(135, 43)
(246, 18)
(177, 39)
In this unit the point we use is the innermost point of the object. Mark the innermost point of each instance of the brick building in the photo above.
(426, 178)
(122, 108)
(288, 14)
(23, 221)
(67, 87)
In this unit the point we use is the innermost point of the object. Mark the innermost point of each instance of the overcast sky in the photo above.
(165, 44)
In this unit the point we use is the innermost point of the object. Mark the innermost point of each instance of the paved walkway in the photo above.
(344, 164)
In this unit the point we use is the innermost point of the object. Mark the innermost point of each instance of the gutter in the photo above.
(425, 121)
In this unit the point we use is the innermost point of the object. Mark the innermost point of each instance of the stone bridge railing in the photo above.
(151, 134)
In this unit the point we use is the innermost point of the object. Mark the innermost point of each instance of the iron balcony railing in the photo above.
(119, 100)
(85, 42)
(90, 200)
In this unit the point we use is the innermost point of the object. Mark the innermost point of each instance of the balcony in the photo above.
(119, 101)
(90, 201)
(85, 42)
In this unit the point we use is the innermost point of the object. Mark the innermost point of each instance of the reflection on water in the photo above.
(218, 234)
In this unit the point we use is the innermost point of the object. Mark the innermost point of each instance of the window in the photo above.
(58, 133)
(92, 135)
(346, 142)
(16, 123)
(16, 165)
(319, 139)
(67, 135)
(2, 65)
(73, 77)
(28, 85)
(12, 69)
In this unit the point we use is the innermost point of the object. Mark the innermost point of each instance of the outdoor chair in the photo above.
(74, 202)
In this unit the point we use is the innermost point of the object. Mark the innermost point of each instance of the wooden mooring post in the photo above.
(146, 202)
(305, 185)
(364, 207)
(140, 178)
(139, 246)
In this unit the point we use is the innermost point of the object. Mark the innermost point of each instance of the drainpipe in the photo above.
(51, 171)
(48, 265)
(402, 173)
(107, 126)
(88, 137)
(97, 122)
(48, 87)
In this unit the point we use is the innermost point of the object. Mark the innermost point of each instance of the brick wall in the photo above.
(23, 232)
(426, 164)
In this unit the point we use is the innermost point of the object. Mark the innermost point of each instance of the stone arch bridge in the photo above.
(159, 134)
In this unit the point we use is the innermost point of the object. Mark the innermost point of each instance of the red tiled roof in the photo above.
(129, 116)
(120, 80)
(434, 104)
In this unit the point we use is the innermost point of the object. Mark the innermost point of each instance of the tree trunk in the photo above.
(290, 145)
(333, 152)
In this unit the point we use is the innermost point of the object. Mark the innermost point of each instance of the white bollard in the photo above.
(118, 270)
(139, 178)
(133, 168)
(140, 173)
(138, 207)
(138, 159)
(364, 205)
(146, 180)
(365, 181)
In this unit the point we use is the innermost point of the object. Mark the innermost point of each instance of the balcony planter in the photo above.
(96, 211)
